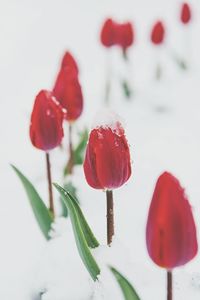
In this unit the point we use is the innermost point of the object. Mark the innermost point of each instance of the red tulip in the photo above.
(46, 130)
(107, 161)
(67, 91)
(125, 35)
(108, 33)
(158, 33)
(171, 232)
(69, 62)
(114, 33)
(185, 13)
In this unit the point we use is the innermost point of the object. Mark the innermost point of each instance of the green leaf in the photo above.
(84, 237)
(127, 289)
(73, 191)
(78, 152)
(41, 212)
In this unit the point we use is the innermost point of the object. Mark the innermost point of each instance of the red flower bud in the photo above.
(108, 33)
(46, 130)
(185, 13)
(69, 62)
(117, 34)
(107, 161)
(171, 232)
(158, 33)
(125, 35)
(67, 91)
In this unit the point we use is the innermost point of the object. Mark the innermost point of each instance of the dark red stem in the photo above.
(71, 155)
(110, 216)
(169, 285)
(51, 204)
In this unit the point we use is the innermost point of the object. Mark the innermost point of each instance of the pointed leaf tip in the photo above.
(128, 291)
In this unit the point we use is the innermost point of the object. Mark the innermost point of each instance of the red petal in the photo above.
(107, 162)
(158, 33)
(46, 130)
(171, 232)
(67, 91)
(185, 13)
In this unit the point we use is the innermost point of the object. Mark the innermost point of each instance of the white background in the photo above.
(34, 36)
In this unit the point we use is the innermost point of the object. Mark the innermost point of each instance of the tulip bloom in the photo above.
(67, 91)
(170, 232)
(107, 165)
(118, 34)
(107, 161)
(158, 33)
(125, 35)
(121, 35)
(108, 33)
(69, 62)
(185, 13)
(157, 38)
(46, 130)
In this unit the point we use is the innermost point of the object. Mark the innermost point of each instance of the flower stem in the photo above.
(110, 217)
(71, 155)
(158, 74)
(169, 285)
(51, 204)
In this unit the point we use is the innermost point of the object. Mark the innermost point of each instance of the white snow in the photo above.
(162, 127)
(107, 118)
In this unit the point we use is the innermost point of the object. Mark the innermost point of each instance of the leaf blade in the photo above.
(89, 236)
(126, 287)
(40, 211)
(81, 240)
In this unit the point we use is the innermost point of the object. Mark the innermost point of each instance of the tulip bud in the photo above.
(170, 232)
(125, 35)
(46, 130)
(107, 161)
(158, 33)
(67, 91)
(185, 13)
(69, 62)
(108, 33)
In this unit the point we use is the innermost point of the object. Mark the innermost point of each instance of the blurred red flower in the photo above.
(69, 62)
(107, 162)
(46, 130)
(185, 13)
(68, 92)
(158, 33)
(120, 34)
(170, 232)
(125, 35)
(108, 33)
(67, 89)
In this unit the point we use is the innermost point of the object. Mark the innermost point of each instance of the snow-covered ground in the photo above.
(162, 125)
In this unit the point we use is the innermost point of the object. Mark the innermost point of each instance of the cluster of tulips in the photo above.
(51, 108)
(170, 231)
(122, 35)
